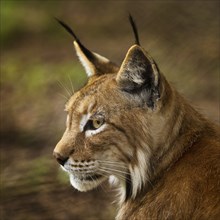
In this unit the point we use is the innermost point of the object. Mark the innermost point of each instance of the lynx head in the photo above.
(108, 126)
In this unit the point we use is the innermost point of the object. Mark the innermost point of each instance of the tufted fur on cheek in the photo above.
(133, 151)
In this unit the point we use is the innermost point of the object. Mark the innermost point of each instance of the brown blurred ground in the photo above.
(37, 56)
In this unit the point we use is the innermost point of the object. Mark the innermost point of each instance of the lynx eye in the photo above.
(94, 124)
(97, 123)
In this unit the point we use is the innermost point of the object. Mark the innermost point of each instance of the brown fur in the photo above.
(186, 182)
(170, 153)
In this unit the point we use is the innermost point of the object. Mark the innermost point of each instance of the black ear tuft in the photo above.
(87, 52)
(93, 63)
(134, 29)
(67, 28)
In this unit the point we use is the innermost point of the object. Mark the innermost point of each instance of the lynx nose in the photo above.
(60, 159)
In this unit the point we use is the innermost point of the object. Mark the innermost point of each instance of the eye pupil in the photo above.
(96, 123)
(93, 124)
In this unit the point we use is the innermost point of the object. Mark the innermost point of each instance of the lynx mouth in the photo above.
(89, 177)
(94, 177)
(86, 182)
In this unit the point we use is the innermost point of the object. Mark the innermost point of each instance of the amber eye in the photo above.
(97, 123)
(94, 124)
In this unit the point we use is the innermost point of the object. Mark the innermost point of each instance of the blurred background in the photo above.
(39, 67)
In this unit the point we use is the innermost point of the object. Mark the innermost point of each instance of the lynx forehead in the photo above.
(129, 125)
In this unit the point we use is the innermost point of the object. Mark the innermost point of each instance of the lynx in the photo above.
(129, 125)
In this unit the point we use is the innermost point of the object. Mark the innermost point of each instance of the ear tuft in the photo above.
(93, 63)
(134, 29)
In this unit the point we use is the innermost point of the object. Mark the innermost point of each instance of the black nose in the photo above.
(60, 159)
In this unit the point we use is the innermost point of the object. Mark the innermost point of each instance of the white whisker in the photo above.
(71, 84)
(63, 96)
(118, 175)
(65, 88)
(111, 169)
(114, 165)
(107, 161)
(123, 177)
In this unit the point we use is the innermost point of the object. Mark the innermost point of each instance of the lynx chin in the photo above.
(129, 125)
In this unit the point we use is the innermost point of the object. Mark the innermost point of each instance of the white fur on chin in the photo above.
(85, 185)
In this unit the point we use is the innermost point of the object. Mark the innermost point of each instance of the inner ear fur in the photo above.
(139, 75)
(94, 63)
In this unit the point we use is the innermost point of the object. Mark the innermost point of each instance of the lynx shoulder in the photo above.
(129, 125)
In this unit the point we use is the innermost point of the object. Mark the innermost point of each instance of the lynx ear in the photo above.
(139, 75)
(94, 63)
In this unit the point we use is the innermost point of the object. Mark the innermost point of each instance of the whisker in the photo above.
(114, 165)
(118, 173)
(107, 161)
(93, 181)
(102, 174)
(149, 181)
(64, 87)
(103, 188)
(71, 84)
(105, 175)
(111, 161)
(121, 176)
(110, 169)
(63, 96)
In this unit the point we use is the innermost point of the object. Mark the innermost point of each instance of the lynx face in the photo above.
(89, 144)
(107, 128)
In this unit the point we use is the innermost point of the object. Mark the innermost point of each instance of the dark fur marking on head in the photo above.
(128, 187)
(134, 28)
